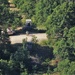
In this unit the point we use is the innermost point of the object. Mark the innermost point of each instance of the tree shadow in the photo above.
(43, 52)
(38, 54)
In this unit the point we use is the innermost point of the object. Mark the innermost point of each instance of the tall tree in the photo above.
(63, 16)
(66, 67)
(60, 29)
(4, 46)
(5, 2)
(4, 14)
(43, 9)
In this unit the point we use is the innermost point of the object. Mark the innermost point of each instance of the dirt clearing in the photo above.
(18, 38)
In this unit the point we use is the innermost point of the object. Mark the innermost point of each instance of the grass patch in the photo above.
(41, 27)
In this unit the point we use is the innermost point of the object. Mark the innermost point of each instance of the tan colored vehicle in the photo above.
(10, 31)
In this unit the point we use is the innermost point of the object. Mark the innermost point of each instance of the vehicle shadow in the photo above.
(21, 31)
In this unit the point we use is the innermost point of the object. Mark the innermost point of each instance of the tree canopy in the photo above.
(58, 17)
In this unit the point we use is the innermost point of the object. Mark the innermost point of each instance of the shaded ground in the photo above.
(37, 55)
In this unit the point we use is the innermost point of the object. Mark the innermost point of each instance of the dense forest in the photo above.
(56, 55)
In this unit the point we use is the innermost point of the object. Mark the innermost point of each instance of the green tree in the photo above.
(71, 37)
(26, 6)
(20, 59)
(24, 73)
(60, 29)
(66, 67)
(62, 18)
(14, 19)
(4, 68)
(5, 2)
(4, 46)
(43, 9)
(4, 14)
(9, 18)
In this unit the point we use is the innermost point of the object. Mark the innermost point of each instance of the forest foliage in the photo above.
(58, 17)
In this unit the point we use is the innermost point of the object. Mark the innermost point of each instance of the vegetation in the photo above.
(7, 17)
(58, 17)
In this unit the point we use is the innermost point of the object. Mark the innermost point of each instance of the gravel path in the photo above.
(18, 38)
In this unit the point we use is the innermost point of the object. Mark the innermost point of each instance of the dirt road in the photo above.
(18, 38)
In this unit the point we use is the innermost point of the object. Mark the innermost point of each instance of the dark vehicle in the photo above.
(28, 25)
